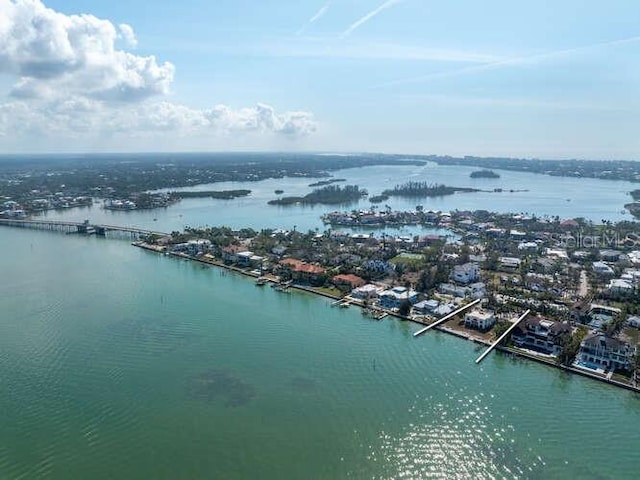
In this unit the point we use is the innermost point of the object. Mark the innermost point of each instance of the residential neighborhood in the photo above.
(577, 287)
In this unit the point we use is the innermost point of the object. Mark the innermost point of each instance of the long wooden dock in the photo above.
(447, 317)
(497, 342)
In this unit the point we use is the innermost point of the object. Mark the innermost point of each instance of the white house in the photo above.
(426, 306)
(467, 273)
(602, 268)
(394, 297)
(477, 290)
(527, 246)
(618, 285)
(479, 319)
(365, 291)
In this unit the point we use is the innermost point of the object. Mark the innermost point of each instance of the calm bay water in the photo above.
(120, 363)
(565, 197)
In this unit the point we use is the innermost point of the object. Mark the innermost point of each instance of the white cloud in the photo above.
(80, 117)
(72, 82)
(126, 31)
(74, 54)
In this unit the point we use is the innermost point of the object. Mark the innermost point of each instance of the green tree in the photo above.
(405, 308)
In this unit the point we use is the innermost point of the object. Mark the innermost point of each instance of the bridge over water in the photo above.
(85, 228)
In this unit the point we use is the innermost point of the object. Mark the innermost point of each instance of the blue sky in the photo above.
(527, 78)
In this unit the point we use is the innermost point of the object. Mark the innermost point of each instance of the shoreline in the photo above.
(441, 328)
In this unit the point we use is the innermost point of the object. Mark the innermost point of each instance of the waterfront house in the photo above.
(467, 273)
(540, 334)
(601, 352)
(248, 259)
(348, 281)
(480, 319)
(394, 297)
(444, 309)
(301, 271)
(425, 307)
(366, 291)
(229, 253)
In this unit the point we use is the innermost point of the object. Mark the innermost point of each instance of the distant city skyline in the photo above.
(492, 78)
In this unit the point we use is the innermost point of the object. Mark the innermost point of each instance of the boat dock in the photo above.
(447, 317)
(497, 342)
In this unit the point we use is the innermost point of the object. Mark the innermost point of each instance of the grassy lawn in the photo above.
(329, 291)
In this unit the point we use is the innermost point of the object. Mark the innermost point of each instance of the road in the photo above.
(583, 290)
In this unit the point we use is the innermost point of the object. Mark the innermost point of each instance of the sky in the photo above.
(532, 78)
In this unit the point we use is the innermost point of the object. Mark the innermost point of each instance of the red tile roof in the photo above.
(300, 266)
(352, 280)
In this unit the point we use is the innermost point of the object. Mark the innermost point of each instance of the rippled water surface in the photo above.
(120, 363)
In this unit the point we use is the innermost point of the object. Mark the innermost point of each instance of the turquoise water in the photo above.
(566, 197)
(120, 363)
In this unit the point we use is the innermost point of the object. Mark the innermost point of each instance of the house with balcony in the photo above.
(229, 253)
(467, 273)
(348, 281)
(426, 307)
(366, 292)
(606, 353)
(248, 259)
(301, 271)
(479, 319)
(540, 334)
(394, 297)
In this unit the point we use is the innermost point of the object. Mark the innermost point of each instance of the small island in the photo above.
(323, 183)
(484, 174)
(634, 209)
(217, 194)
(425, 189)
(329, 195)
(379, 198)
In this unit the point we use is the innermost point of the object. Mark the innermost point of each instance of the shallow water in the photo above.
(121, 363)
